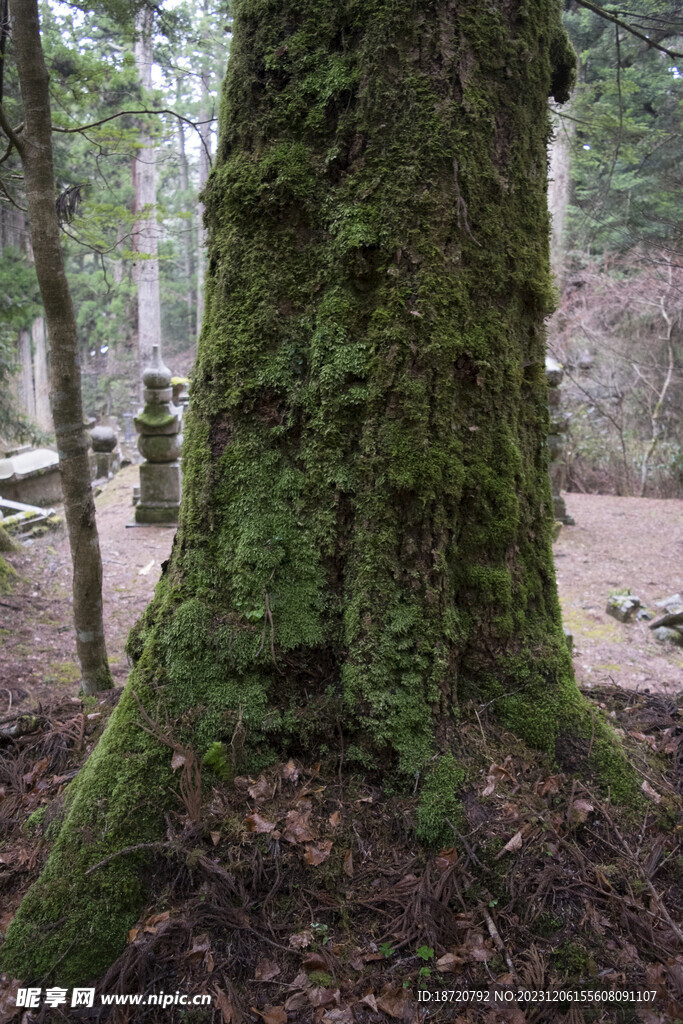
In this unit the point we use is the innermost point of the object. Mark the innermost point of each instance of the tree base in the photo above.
(506, 840)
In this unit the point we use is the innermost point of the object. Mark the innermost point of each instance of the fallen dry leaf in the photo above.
(550, 785)
(297, 1001)
(649, 791)
(301, 939)
(314, 962)
(255, 823)
(512, 844)
(215, 838)
(394, 1002)
(317, 853)
(369, 1000)
(497, 773)
(335, 819)
(290, 772)
(201, 944)
(262, 790)
(152, 923)
(481, 951)
(338, 1016)
(449, 962)
(266, 970)
(224, 1005)
(446, 858)
(579, 811)
(297, 828)
(348, 863)
(273, 1015)
(319, 996)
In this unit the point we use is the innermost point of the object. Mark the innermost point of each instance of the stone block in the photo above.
(622, 606)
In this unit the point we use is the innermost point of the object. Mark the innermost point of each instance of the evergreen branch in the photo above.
(601, 12)
(96, 124)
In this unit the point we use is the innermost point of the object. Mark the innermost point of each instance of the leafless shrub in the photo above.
(619, 334)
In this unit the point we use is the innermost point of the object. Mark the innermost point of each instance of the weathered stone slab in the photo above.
(31, 477)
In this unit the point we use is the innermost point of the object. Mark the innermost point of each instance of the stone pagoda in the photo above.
(159, 425)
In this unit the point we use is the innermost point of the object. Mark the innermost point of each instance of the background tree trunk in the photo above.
(559, 193)
(204, 168)
(35, 148)
(365, 533)
(145, 231)
(41, 375)
(27, 396)
(188, 231)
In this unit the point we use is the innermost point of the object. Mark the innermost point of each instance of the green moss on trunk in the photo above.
(365, 535)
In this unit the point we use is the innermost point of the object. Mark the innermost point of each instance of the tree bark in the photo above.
(365, 536)
(145, 231)
(35, 149)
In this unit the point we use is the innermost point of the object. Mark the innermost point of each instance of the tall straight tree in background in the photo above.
(33, 141)
(365, 537)
(145, 230)
(204, 163)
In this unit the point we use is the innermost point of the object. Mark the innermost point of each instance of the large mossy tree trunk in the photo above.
(366, 525)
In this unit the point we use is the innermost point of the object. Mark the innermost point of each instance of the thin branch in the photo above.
(121, 113)
(93, 248)
(629, 28)
(9, 131)
(9, 197)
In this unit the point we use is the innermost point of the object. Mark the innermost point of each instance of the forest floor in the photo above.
(617, 543)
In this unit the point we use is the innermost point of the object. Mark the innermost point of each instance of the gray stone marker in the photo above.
(31, 477)
(159, 426)
(104, 443)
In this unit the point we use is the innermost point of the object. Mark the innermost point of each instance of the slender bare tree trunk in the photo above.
(204, 168)
(27, 398)
(41, 375)
(188, 234)
(145, 232)
(559, 192)
(35, 148)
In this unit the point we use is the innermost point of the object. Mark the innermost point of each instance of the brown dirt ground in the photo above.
(37, 652)
(617, 542)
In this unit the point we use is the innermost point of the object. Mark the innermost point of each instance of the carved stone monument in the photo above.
(159, 425)
(104, 443)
